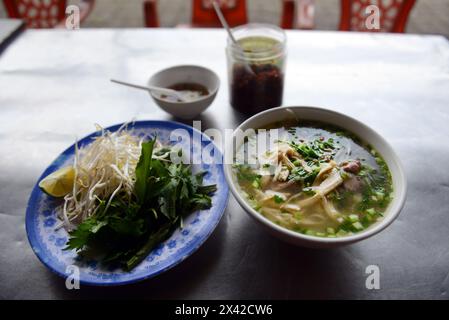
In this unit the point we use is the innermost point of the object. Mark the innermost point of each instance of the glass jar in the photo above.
(256, 74)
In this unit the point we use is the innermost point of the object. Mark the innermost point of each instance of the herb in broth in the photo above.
(318, 180)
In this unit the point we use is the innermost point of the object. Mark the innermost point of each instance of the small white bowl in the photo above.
(182, 74)
(368, 135)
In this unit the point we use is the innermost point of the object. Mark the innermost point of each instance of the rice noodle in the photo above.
(329, 184)
(330, 209)
(324, 169)
(287, 220)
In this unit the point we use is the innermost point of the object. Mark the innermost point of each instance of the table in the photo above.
(54, 85)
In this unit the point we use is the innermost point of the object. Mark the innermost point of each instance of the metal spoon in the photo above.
(161, 91)
(231, 36)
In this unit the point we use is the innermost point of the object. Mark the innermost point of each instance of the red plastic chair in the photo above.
(150, 14)
(298, 14)
(203, 14)
(44, 13)
(393, 15)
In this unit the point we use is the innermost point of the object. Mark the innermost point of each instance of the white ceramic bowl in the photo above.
(183, 74)
(264, 118)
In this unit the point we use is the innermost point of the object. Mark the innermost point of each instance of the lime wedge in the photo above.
(58, 183)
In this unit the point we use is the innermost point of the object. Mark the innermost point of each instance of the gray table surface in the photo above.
(54, 86)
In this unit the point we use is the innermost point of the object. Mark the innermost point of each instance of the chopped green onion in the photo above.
(278, 199)
(358, 226)
(310, 232)
(366, 220)
(330, 230)
(380, 195)
(256, 184)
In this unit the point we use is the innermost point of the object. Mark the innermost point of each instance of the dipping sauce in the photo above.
(191, 91)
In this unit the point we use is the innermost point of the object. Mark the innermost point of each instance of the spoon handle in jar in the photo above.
(225, 25)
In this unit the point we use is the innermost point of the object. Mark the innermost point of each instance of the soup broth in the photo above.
(314, 179)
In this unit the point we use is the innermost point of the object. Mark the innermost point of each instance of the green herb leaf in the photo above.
(131, 227)
(142, 170)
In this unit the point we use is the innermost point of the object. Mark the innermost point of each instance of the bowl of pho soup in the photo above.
(315, 177)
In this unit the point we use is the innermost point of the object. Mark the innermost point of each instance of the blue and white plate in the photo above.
(48, 243)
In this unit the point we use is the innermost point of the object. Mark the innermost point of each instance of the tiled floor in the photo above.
(427, 17)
